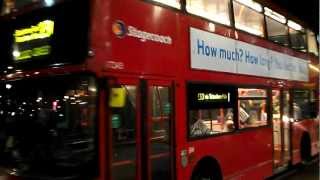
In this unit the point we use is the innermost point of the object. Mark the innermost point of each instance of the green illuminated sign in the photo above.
(116, 121)
(35, 52)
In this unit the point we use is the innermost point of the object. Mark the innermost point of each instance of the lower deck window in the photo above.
(252, 113)
(206, 122)
(252, 107)
(211, 109)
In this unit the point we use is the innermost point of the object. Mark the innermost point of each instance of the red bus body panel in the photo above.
(312, 127)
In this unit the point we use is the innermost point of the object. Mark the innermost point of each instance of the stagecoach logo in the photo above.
(120, 30)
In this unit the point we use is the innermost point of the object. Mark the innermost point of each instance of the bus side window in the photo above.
(252, 105)
(210, 109)
(206, 122)
(304, 104)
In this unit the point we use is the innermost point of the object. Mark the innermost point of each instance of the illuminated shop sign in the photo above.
(33, 41)
(206, 96)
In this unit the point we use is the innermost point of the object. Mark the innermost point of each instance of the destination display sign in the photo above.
(206, 96)
(213, 97)
(33, 41)
(50, 35)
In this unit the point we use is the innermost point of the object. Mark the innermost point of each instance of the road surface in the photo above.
(309, 172)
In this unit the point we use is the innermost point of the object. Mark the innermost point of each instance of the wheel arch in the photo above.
(305, 147)
(208, 164)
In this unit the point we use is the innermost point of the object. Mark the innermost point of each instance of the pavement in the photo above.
(300, 172)
(307, 172)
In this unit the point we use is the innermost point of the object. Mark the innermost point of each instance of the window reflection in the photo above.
(123, 122)
(21, 3)
(48, 126)
(172, 3)
(312, 43)
(252, 107)
(6, 6)
(210, 109)
(160, 140)
(248, 19)
(215, 10)
(277, 32)
(9, 5)
(298, 40)
(286, 105)
(277, 129)
(276, 104)
(286, 126)
(161, 109)
(304, 104)
(206, 122)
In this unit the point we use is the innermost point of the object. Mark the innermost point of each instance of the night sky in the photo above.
(305, 10)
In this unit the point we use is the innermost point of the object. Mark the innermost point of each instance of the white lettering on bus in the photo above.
(143, 35)
(114, 65)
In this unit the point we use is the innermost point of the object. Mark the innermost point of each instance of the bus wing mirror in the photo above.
(117, 97)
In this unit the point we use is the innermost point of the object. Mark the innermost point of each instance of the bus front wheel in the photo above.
(305, 148)
(207, 169)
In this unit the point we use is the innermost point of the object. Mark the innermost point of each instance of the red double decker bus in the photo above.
(154, 89)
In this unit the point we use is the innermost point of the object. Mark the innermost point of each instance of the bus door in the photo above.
(124, 126)
(158, 130)
(281, 129)
(140, 114)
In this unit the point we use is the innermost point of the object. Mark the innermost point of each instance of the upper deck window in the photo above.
(215, 10)
(277, 32)
(276, 28)
(248, 17)
(312, 43)
(171, 3)
(297, 36)
(274, 15)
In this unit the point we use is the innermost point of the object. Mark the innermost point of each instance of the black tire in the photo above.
(205, 171)
(305, 149)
